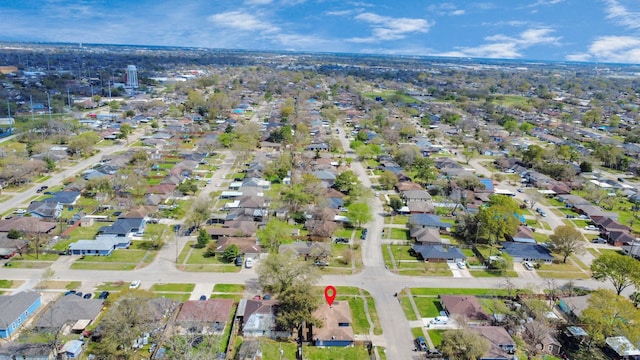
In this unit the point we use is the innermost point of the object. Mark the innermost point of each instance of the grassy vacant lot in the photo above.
(79, 233)
(561, 270)
(271, 350)
(400, 234)
(228, 288)
(197, 262)
(173, 287)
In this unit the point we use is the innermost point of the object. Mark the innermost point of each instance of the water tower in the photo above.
(132, 77)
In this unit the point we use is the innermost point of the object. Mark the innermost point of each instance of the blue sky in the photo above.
(578, 30)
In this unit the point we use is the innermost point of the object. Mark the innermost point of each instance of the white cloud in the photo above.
(445, 9)
(242, 21)
(386, 28)
(503, 46)
(545, 3)
(619, 49)
(619, 13)
(578, 57)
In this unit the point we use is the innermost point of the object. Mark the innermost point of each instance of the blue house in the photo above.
(16, 309)
(64, 197)
(527, 252)
(72, 349)
(103, 245)
(428, 220)
(124, 227)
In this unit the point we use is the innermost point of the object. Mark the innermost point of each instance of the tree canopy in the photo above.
(279, 272)
(463, 344)
(566, 240)
(621, 271)
(609, 314)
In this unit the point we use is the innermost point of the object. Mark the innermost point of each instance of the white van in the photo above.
(440, 320)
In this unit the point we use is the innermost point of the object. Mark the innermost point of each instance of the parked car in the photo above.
(20, 211)
(134, 284)
(528, 265)
(79, 293)
(421, 344)
(591, 227)
(203, 297)
(599, 240)
(341, 240)
(239, 261)
(569, 216)
(440, 320)
(249, 263)
(583, 216)
(87, 296)
(460, 265)
(70, 292)
(103, 295)
(320, 263)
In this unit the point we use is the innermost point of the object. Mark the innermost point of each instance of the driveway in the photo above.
(523, 273)
(457, 272)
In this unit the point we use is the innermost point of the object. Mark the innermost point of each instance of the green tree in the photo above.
(610, 314)
(621, 271)
(231, 253)
(387, 180)
(125, 131)
(225, 139)
(274, 233)
(346, 181)
(396, 203)
(125, 321)
(463, 344)
(203, 239)
(280, 272)
(510, 126)
(359, 213)
(296, 306)
(498, 217)
(566, 240)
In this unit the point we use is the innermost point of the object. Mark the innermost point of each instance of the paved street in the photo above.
(375, 278)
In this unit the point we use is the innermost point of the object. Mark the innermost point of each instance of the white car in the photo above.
(248, 263)
(460, 264)
(590, 227)
(20, 211)
(134, 284)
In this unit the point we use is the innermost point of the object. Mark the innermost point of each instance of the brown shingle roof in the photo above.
(30, 224)
(467, 306)
(212, 310)
(331, 317)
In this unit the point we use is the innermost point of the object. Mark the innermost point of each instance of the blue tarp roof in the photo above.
(488, 184)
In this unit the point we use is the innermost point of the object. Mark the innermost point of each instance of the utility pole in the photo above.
(49, 104)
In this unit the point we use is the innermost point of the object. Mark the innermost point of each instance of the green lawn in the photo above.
(360, 323)
(102, 266)
(417, 331)
(119, 256)
(234, 297)
(342, 232)
(113, 286)
(6, 284)
(407, 308)
(436, 336)
(271, 350)
(400, 234)
(173, 287)
(228, 288)
(452, 291)
(428, 306)
(400, 219)
(173, 296)
(492, 273)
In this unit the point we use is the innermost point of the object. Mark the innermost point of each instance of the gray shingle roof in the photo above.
(11, 306)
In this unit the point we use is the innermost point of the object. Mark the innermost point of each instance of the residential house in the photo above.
(426, 235)
(30, 224)
(45, 210)
(26, 351)
(619, 348)
(336, 327)
(124, 227)
(620, 238)
(103, 245)
(68, 310)
(16, 309)
(521, 252)
(257, 318)
(64, 197)
(416, 195)
(501, 345)
(574, 305)
(464, 307)
(9, 247)
(549, 344)
(203, 316)
(72, 349)
(247, 246)
(524, 235)
(428, 220)
(438, 253)
(307, 249)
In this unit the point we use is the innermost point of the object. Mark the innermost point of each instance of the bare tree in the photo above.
(535, 333)
(509, 286)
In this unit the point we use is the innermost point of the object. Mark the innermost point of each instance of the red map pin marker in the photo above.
(330, 294)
